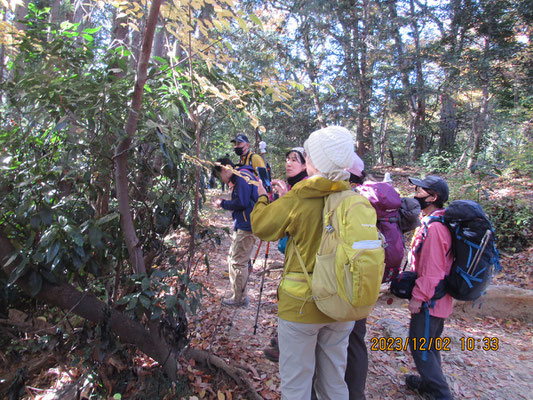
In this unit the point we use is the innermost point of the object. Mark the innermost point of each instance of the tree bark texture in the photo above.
(447, 123)
(421, 142)
(356, 22)
(480, 125)
(122, 150)
(454, 43)
(364, 123)
(311, 71)
(415, 99)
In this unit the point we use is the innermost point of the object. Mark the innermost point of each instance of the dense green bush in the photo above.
(436, 163)
(513, 222)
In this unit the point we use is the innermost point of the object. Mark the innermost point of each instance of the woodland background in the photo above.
(111, 112)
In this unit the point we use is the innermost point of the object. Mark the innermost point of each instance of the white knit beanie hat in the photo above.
(330, 149)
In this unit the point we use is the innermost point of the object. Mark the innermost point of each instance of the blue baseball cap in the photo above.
(240, 139)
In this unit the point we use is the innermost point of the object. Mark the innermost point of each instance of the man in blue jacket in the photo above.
(243, 198)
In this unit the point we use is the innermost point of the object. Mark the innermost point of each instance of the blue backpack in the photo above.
(474, 251)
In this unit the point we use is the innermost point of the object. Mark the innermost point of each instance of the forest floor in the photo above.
(504, 373)
(228, 333)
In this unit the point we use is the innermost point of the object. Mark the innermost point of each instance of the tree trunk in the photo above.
(421, 142)
(121, 151)
(384, 124)
(481, 122)
(364, 124)
(198, 136)
(2, 50)
(413, 96)
(311, 71)
(21, 10)
(480, 126)
(55, 9)
(77, 17)
(454, 39)
(448, 123)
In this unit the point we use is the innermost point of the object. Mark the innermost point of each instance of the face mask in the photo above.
(238, 150)
(422, 201)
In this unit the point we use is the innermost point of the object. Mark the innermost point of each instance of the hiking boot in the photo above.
(232, 303)
(272, 353)
(414, 382)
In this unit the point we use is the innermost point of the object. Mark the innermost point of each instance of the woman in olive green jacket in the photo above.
(308, 339)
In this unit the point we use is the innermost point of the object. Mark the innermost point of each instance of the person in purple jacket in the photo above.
(243, 198)
(431, 262)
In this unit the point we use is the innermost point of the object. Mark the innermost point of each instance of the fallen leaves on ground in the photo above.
(473, 374)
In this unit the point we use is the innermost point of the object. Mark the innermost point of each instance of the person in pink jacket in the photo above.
(431, 262)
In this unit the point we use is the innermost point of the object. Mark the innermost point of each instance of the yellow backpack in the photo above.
(350, 261)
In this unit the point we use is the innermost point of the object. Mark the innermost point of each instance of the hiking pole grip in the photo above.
(261, 288)
(480, 251)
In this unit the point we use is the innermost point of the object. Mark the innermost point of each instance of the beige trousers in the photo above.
(308, 349)
(239, 254)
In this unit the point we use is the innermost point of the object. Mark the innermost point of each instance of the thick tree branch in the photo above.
(88, 306)
(121, 154)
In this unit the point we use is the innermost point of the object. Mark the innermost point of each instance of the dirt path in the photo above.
(505, 373)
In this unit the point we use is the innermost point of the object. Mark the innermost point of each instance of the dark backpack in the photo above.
(409, 214)
(386, 201)
(474, 251)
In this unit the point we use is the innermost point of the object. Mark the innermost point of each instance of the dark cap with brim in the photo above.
(240, 139)
(434, 183)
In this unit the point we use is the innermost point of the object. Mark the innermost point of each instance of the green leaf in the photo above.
(55, 263)
(66, 25)
(35, 221)
(124, 300)
(160, 59)
(147, 88)
(11, 259)
(156, 313)
(52, 251)
(49, 276)
(107, 218)
(35, 282)
(89, 38)
(80, 251)
(74, 234)
(145, 301)
(95, 237)
(159, 274)
(47, 215)
(255, 19)
(170, 301)
(145, 284)
(132, 304)
(330, 87)
(19, 271)
(90, 31)
(185, 93)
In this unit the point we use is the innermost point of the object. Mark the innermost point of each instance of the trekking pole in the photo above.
(480, 251)
(261, 288)
(257, 252)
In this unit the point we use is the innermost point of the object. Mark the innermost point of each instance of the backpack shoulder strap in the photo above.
(300, 260)
(428, 221)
